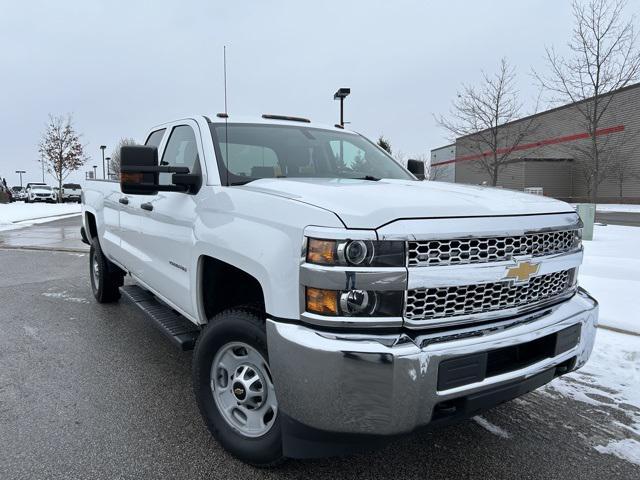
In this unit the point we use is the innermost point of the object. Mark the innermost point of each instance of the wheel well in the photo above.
(91, 225)
(224, 286)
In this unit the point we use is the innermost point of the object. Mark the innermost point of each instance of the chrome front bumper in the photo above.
(387, 384)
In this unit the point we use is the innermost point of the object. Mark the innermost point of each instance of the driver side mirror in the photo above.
(139, 173)
(417, 168)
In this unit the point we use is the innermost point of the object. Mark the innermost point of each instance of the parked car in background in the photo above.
(71, 192)
(19, 193)
(41, 193)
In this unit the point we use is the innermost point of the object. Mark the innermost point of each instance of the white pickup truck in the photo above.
(334, 300)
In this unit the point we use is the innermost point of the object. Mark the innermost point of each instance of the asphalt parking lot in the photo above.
(94, 391)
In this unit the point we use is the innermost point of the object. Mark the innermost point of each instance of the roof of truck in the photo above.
(275, 119)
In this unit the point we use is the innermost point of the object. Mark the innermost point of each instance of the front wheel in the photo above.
(234, 387)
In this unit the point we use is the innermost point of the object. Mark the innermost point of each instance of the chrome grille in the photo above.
(441, 302)
(489, 249)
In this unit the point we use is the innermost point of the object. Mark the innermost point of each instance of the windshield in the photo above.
(71, 186)
(41, 187)
(251, 151)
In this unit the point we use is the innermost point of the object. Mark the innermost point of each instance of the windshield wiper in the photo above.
(368, 177)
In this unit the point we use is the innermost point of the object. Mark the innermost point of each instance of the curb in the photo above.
(45, 249)
(60, 216)
(619, 330)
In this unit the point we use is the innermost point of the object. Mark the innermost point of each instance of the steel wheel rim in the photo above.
(95, 269)
(243, 390)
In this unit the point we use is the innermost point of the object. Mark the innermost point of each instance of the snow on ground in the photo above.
(610, 382)
(611, 273)
(29, 213)
(617, 207)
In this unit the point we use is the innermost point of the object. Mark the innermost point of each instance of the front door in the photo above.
(168, 221)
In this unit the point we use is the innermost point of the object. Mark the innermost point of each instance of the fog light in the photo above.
(358, 302)
(322, 302)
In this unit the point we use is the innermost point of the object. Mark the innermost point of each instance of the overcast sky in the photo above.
(121, 67)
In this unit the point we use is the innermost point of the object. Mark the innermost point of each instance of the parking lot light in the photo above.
(20, 172)
(341, 94)
(103, 148)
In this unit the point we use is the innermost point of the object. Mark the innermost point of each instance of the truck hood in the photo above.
(371, 204)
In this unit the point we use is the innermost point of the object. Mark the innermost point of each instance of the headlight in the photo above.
(354, 303)
(356, 253)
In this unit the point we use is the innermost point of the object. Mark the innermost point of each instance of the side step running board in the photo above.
(180, 331)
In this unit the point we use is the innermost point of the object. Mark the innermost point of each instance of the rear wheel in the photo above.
(106, 278)
(234, 387)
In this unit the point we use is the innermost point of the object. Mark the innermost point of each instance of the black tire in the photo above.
(238, 325)
(106, 287)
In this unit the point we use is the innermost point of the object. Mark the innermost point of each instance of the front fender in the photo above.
(260, 234)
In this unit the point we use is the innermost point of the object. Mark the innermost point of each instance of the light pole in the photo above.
(341, 94)
(94, 172)
(108, 159)
(103, 147)
(20, 172)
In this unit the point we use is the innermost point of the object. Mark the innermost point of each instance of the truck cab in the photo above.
(333, 299)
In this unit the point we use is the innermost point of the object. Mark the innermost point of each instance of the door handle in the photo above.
(146, 206)
(124, 201)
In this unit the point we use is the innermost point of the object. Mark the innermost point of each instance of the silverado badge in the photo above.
(522, 272)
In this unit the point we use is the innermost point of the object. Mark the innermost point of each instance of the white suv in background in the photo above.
(40, 193)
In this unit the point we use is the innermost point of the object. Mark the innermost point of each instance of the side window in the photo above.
(155, 138)
(181, 151)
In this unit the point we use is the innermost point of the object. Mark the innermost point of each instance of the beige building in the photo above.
(550, 159)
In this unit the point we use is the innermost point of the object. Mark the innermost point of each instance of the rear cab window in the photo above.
(155, 138)
(181, 151)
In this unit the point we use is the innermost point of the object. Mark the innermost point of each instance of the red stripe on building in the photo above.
(541, 143)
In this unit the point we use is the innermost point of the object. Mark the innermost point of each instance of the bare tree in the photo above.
(400, 157)
(60, 149)
(479, 114)
(435, 172)
(603, 58)
(114, 164)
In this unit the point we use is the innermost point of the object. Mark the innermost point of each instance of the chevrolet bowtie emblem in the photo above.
(522, 272)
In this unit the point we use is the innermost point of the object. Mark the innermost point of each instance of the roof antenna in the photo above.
(224, 56)
(226, 114)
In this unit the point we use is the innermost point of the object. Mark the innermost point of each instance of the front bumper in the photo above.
(388, 384)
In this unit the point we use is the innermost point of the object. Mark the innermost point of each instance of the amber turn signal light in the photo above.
(131, 177)
(322, 302)
(321, 252)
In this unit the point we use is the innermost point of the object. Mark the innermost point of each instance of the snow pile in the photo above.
(30, 213)
(610, 381)
(611, 273)
(617, 207)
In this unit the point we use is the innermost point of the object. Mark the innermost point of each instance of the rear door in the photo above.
(132, 243)
(168, 222)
